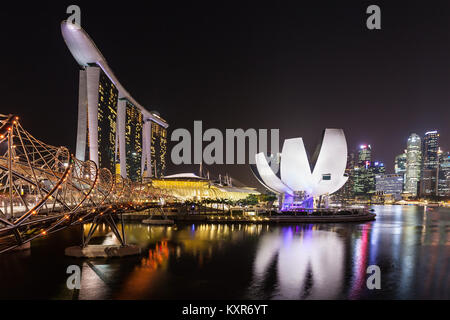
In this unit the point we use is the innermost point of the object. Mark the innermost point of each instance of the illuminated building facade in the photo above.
(389, 184)
(430, 150)
(413, 164)
(114, 130)
(365, 177)
(97, 116)
(430, 164)
(376, 168)
(188, 186)
(444, 174)
(158, 149)
(361, 170)
(365, 171)
(107, 118)
(133, 141)
(364, 154)
(400, 164)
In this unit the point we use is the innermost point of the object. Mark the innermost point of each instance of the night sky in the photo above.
(300, 67)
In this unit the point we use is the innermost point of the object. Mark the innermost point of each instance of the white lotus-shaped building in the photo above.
(324, 176)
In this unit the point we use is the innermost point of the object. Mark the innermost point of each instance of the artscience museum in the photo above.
(304, 183)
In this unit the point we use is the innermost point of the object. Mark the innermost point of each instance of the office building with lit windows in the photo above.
(365, 171)
(400, 164)
(413, 164)
(430, 150)
(444, 174)
(114, 130)
(364, 154)
(389, 184)
(430, 164)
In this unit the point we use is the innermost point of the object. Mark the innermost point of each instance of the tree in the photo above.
(267, 197)
(251, 200)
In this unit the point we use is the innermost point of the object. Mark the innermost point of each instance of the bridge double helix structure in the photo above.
(44, 189)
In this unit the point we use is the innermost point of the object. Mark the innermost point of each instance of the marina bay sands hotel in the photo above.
(114, 130)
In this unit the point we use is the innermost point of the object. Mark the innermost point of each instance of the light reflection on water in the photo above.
(322, 261)
(309, 264)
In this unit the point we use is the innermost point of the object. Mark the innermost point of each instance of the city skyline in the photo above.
(216, 75)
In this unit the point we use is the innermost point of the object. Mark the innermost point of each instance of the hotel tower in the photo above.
(114, 130)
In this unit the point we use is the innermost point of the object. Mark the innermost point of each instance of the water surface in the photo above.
(410, 244)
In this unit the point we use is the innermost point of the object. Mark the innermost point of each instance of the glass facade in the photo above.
(158, 149)
(360, 176)
(133, 141)
(413, 164)
(375, 168)
(364, 155)
(400, 163)
(430, 150)
(365, 172)
(391, 184)
(107, 117)
(429, 182)
(444, 174)
(400, 166)
(430, 164)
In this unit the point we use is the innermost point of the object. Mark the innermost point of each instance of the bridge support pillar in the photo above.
(87, 250)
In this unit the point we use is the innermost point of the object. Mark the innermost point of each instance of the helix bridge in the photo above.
(44, 189)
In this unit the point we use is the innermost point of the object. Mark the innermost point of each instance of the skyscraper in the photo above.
(400, 166)
(114, 130)
(430, 164)
(364, 154)
(376, 168)
(430, 150)
(365, 172)
(158, 149)
(413, 164)
(444, 174)
(97, 116)
(400, 163)
(360, 172)
(133, 141)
